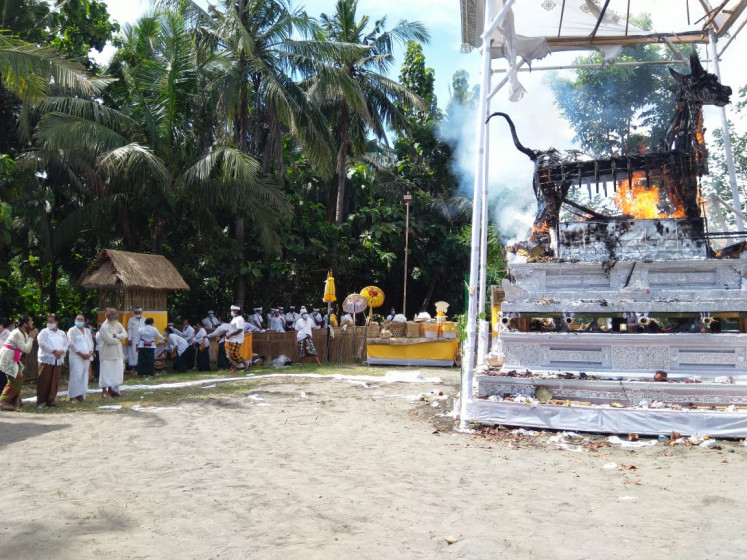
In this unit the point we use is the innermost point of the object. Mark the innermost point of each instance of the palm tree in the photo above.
(142, 166)
(379, 101)
(29, 71)
(257, 49)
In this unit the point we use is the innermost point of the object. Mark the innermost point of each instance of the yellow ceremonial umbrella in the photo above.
(374, 296)
(329, 288)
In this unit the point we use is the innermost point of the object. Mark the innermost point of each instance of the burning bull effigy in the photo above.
(639, 180)
(628, 320)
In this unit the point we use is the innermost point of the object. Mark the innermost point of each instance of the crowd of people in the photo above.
(101, 353)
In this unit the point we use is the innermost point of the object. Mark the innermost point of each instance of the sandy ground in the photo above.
(327, 469)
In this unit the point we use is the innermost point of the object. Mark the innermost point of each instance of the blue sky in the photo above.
(441, 18)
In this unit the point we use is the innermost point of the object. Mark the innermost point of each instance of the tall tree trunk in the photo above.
(239, 289)
(429, 295)
(242, 142)
(158, 232)
(342, 154)
(53, 276)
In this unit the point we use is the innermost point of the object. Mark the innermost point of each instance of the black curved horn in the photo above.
(696, 69)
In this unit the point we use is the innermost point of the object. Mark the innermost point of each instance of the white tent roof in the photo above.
(544, 26)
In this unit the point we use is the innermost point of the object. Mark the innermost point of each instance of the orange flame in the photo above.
(635, 199)
(542, 229)
(699, 131)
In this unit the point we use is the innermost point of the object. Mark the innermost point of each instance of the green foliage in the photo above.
(614, 108)
(717, 182)
(77, 26)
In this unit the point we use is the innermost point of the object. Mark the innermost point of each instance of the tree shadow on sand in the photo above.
(18, 431)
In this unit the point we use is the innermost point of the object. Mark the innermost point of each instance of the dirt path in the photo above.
(324, 469)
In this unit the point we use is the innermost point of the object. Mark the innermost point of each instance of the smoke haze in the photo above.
(538, 126)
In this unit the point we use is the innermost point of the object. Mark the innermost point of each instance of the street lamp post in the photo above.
(407, 199)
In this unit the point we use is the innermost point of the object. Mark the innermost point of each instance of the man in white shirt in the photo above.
(277, 322)
(235, 337)
(211, 321)
(291, 317)
(188, 334)
(317, 318)
(51, 355)
(256, 319)
(306, 347)
(201, 347)
(134, 324)
(179, 346)
(220, 334)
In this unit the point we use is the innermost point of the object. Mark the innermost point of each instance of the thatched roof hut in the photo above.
(125, 280)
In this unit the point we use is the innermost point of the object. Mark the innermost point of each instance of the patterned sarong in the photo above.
(12, 390)
(306, 346)
(234, 353)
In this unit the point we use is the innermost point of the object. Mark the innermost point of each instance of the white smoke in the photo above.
(538, 126)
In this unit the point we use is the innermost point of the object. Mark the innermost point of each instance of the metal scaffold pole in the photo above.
(481, 162)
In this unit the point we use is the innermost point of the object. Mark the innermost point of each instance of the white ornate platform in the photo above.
(628, 354)
(686, 286)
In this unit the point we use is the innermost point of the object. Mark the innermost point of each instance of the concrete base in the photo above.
(610, 420)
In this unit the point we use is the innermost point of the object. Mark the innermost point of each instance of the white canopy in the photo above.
(544, 26)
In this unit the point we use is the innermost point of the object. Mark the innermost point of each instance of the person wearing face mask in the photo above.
(306, 347)
(211, 321)
(111, 355)
(235, 338)
(80, 354)
(134, 324)
(20, 341)
(51, 355)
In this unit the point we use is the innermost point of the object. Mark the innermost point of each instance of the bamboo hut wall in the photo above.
(347, 346)
(125, 300)
(111, 298)
(150, 300)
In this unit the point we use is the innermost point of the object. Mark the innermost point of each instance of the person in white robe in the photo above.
(134, 324)
(80, 355)
(111, 355)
